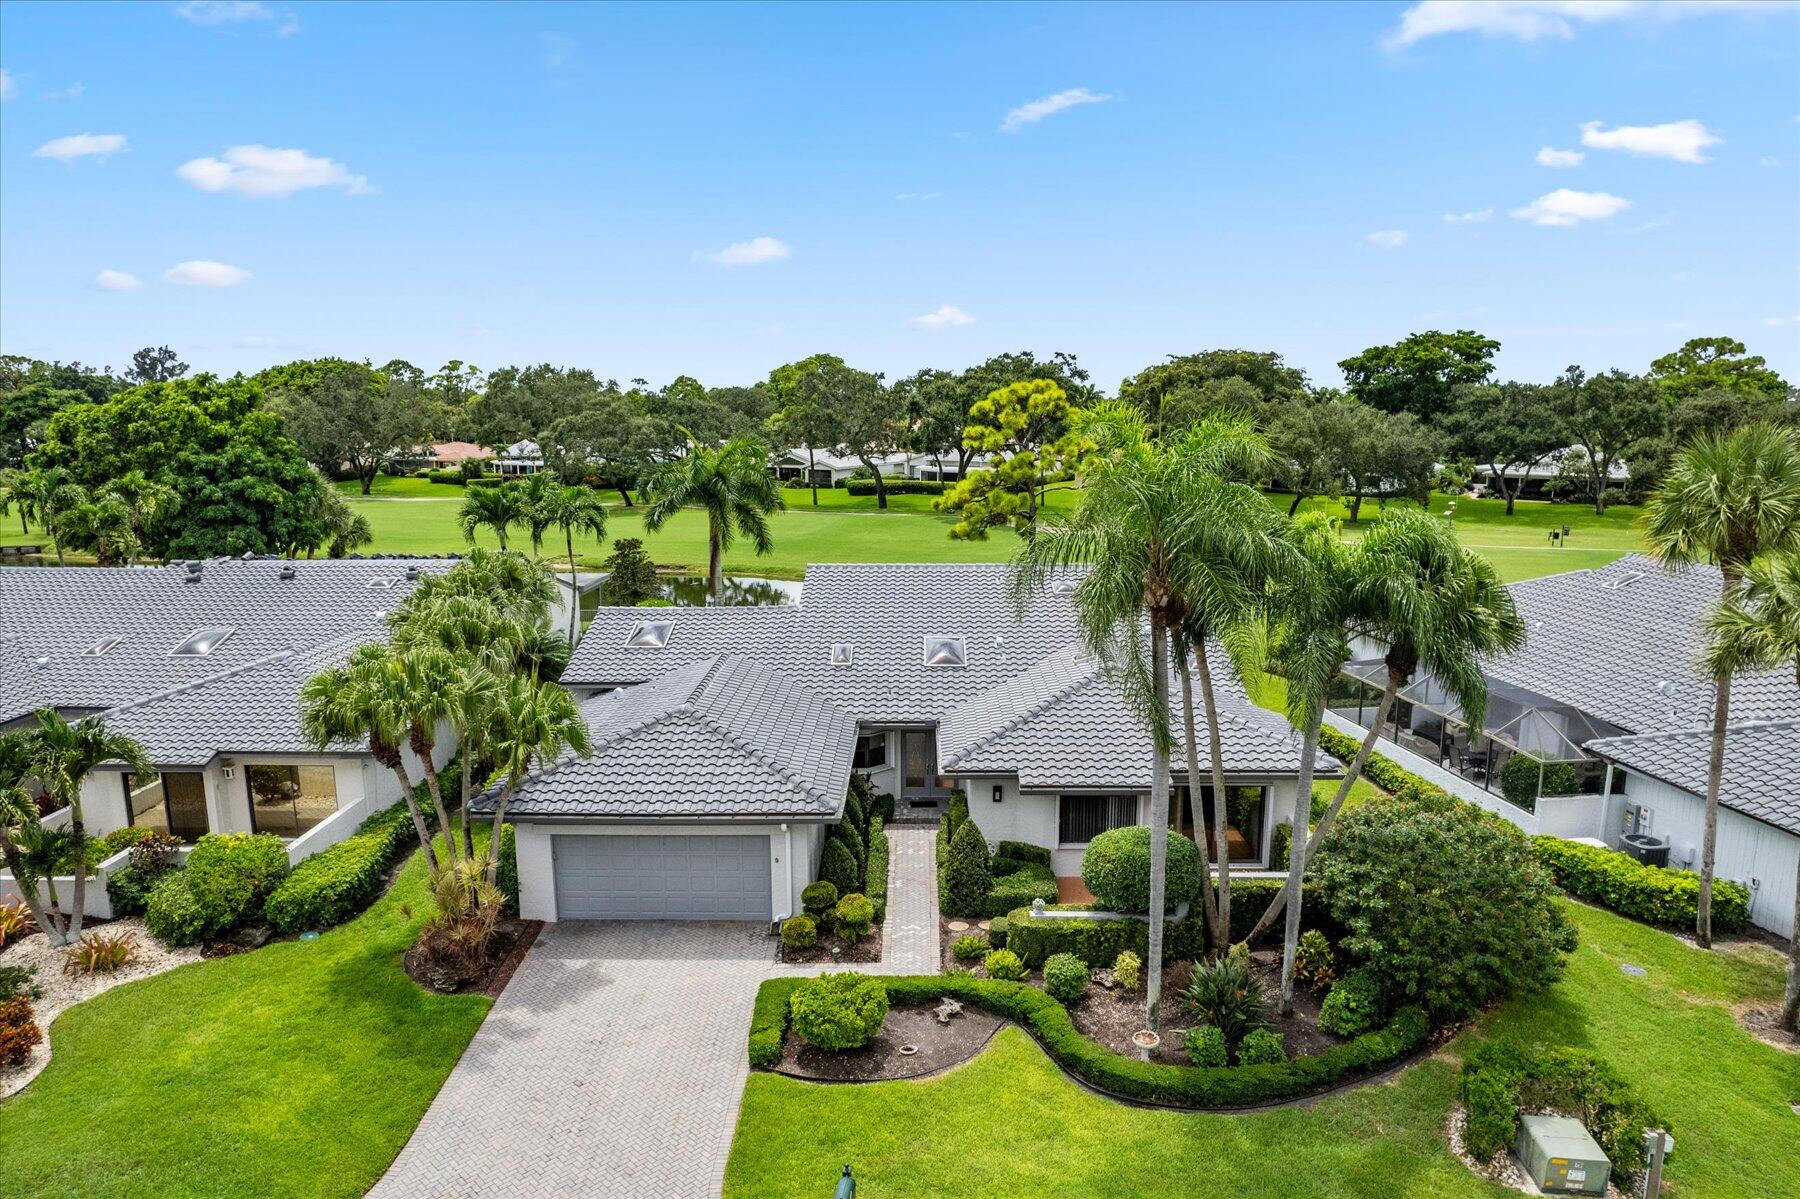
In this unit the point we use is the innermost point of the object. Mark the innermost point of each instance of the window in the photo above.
(1081, 818)
(871, 751)
(100, 647)
(289, 800)
(649, 634)
(202, 642)
(946, 651)
(842, 653)
(172, 803)
(1244, 808)
(380, 583)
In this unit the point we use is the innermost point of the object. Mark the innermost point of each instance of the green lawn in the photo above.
(1010, 1123)
(297, 1070)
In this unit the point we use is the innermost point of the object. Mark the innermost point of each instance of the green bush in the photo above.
(1501, 1078)
(1353, 1005)
(1017, 889)
(1314, 964)
(837, 866)
(630, 575)
(1127, 969)
(997, 932)
(968, 947)
(768, 1020)
(1281, 844)
(897, 487)
(1261, 1047)
(1098, 942)
(1065, 976)
(1227, 996)
(839, 1011)
(1004, 964)
(883, 807)
(1022, 851)
(1205, 1046)
(876, 884)
(15, 983)
(957, 814)
(173, 915)
(1519, 780)
(1116, 868)
(818, 898)
(799, 932)
(854, 814)
(506, 870)
(123, 838)
(1648, 893)
(451, 477)
(232, 874)
(967, 878)
(1493, 1115)
(852, 840)
(853, 915)
(128, 890)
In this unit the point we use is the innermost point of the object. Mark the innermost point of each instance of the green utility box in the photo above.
(1561, 1157)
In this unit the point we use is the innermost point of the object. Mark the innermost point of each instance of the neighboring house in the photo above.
(519, 458)
(828, 467)
(831, 468)
(1534, 481)
(440, 455)
(1607, 685)
(920, 677)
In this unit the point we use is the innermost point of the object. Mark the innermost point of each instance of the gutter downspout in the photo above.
(787, 834)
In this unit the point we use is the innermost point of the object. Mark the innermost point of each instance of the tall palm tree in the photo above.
(142, 500)
(51, 493)
(520, 588)
(495, 508)
(1729, 498)
(1759, 629)
(573, 508)
(62, 756)
(15, 491)
(731, 485)
(533, 723)
(535, 496)
(18, 816)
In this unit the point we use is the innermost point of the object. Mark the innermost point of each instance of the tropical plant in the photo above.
(1126, 968)
(496, 508)
(533, 723)
(101, 953)
(15, 918)
(50, 493)
(454, 939)
(1227, 996)
(732, 487)
(572, 509)
(19, 819)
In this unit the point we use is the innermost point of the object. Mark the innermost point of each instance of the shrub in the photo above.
(818, 898)
(1313, 963)
(883, 807)
(1353, 1005)
(15, 981)
(331, 886)
(18, 1032)
(1027, 882)
(1261, 1047)
(1004, 964)
(997, 932)
(768, 1020)
(1065, 976)
(958, 812)
(125, 838)
(876, 882)
(451, 477)
(1519, 780)
(845, 834)
(152, 855)
(1493, 1115)
(967, 879)
(1022, 852)
(837, 866)
(1127, 968)
(15, 918)
(1501, 1078)
(968, 947)
(630, 575)
(1205, 1046)
(1225, 995)
(1446, 902)
(506, 870)
(897, 487)
(1648, 893)
(799, 932)
(1098, 942)
(839, 1011)
(854, 814)
(173, 915)
(854, 916)
(231, 874)
(100, 953)
(1116, 868)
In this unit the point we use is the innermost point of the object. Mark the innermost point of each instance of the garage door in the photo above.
(661, 878)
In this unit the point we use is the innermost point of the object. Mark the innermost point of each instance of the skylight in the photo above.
(380, 582)
(202, 642)
(842, 653)
(650, 634)
(946, 651)
(1623, 581)
(100, 647)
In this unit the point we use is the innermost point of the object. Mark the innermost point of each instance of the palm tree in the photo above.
(1759, 629)
(571, 508)
(15, 491)
(101, 524)
(142, 500)
(495, 508)
(731, 484)
(535, 498)
(62, 756)
(520, 588)
(1729, 498)
(18, 817)
(51, 492)
(533, 723)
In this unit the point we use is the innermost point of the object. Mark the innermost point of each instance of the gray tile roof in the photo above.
(1599, 640)
(719, 737)
(50, 615)
(1762, 765)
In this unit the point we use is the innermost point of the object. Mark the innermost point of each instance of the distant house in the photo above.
(832, 468)
(519, 458)
(1534, 481)
(440, 455)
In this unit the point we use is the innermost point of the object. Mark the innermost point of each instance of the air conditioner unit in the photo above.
(1561, 1157)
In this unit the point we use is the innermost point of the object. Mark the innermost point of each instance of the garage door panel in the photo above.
(619, 877)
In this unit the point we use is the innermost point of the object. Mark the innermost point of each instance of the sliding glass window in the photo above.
(289, 800)
(172, 803)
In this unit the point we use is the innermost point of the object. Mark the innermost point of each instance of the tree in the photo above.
(1309, 435)
(62, 755)
(526, 402)
(1730, 498)
(1705, 364)
(19, 818)
(608, 443)
(154, 364)
(50, 494)
(1179, 392)
(804, 394)
(1418, 374)
(347, 414)
(630, 574)
(1510, 427)
(340, 527)
(869, 420)
(570, 508)
(498, 508)
(26, 412)
(1607, 415)
(533, 724)
(1759, 629)
(731, 485)
(1385, 455)
(1028, 427)
(115, 522)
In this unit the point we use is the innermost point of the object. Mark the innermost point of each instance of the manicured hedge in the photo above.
(454, 477)
(340, 881)
(1022, 852)
(897, 487)
(876, 884)
(1098, 942)
(768, 1020)
(1648, 893)
(506, 870)
(1018, 889)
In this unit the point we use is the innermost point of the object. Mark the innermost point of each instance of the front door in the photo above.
(918, 756)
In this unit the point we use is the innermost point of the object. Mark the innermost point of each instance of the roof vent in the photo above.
(843, 654)
(1623, 581)
(43, 663)
(412, 574)
(650, 634)
(946, 651)
(287, 574)
(194, 569)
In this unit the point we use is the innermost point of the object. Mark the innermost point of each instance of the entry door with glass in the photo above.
(918, 756)
(173, 802)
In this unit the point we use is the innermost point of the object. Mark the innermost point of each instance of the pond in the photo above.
(690, 591)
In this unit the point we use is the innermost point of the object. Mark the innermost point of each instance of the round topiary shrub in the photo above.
(1005, 965)
(1116, 868)
(839, 1011)
(1261, 1047)
(967, 875)
(968, 947)
(1205, 1046)
(1353, 1005)
(818, 898)
(1065, 977)
(172, 914)
(799, 932)
(852, 841)
(854, 916)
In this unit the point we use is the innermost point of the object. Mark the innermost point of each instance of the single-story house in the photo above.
(920, 677)
(828, 467)
(1533, 481)
(441, 455)
(519, 458)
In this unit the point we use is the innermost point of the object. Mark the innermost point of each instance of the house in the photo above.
(1533, 481)
(831, 467)
(519, 458)
(723, 736)
(828, 467)
(441, 455)
(1606, 685)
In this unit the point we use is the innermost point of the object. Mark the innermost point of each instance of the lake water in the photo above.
(691, 591)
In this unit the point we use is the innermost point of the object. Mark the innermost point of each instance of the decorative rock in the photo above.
(1106, 978)
(947, 1009)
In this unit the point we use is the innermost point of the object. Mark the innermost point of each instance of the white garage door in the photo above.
(661, 878)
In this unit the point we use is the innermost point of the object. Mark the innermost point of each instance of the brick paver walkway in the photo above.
(613, 1064)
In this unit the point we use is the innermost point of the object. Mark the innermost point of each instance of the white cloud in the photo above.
(72, 92)
(1564, 207)
(203, 272)
(6, 84)
(113, 280)
(754, 252)
(80, 145)
(1469, 218)
(1037, 110)
(1681, 140)
(223, 12)
(263, 171)
(1775, 322)
(1549, 156)
(945, 317)
(1387, 239)
(1534, 20)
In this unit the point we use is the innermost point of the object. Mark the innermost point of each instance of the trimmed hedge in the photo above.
(173, 915)
(897, 487)
(340, 881)
(1099, 942)
(1501, 1078)
(1649, 893)
(128, 890)
(876, 885)
(1018, 889)
(769, 1019)
(506, 870)
(1022, 852)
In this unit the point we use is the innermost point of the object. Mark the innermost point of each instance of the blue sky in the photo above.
(649, 191)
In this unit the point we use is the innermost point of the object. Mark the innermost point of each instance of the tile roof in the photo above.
(1762, 765)
(722, 736)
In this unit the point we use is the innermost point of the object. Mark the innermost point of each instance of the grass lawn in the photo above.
(299, 1069)
(1010, 1123)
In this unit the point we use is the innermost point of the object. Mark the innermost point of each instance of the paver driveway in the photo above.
(612, 1066)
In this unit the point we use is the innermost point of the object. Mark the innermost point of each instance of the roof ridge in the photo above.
(203, 681)
(1736, 726)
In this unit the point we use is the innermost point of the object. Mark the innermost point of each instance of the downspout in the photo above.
(787, 834)
(1606, 804)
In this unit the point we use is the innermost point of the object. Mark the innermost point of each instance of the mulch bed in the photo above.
(865, 951)
(947, 936)
(939, 1047)
(511, 938)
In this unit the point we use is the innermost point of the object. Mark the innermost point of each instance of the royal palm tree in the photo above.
(532, 724)
(731, 485)
(495, 508)
(18, 817)
(1758, 628)
(573, 508)
(1729, 498)
(62, 755)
